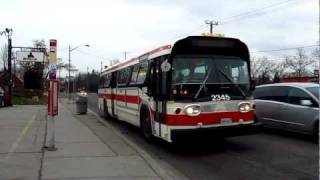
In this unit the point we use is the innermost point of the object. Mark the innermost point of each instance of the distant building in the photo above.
(17, 84)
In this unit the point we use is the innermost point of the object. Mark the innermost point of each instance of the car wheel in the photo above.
(146, 126)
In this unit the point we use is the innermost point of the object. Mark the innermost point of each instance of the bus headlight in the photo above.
(83, 93)
(192, 110)
(244, 107)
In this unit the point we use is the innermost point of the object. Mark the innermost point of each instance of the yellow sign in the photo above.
(53, 52)
(216, 34)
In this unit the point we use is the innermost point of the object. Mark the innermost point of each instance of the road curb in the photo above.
(164, 170)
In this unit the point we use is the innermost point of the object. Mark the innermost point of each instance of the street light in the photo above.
(70, 50)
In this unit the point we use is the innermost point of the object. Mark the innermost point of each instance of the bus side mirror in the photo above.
(252, 85)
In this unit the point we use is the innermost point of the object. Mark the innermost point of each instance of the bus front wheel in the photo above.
(146, 126)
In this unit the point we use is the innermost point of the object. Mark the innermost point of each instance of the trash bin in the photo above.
(81, 103)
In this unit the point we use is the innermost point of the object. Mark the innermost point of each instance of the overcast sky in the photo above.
(114, 26)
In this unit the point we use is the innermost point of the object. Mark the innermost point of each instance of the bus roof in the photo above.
(162, 50)
(190, 44)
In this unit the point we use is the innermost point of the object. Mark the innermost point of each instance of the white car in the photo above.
(289, 106)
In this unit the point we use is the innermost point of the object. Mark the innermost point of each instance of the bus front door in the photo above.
(158, 86)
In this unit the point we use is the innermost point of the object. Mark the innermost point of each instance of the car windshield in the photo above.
(314, 91)
(213, 70)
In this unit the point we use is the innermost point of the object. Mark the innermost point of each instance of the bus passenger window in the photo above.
(123, 76)
(107, 79)
(134, 74)
(142, 72)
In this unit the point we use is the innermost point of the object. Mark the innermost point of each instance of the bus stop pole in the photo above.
(51, 143)
(53, 91)
(52, 112)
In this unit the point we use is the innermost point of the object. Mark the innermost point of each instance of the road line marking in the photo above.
(15, 145)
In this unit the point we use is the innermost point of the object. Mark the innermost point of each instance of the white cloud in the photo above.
(114, 26)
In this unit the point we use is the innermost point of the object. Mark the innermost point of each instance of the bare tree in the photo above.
(299, 63)
(316, 54)
(261, 69)
(39, 43)
(279, 68)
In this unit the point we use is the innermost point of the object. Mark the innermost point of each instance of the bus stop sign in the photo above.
(53, 97)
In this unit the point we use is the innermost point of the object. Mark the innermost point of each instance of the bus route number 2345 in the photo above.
(220, 97)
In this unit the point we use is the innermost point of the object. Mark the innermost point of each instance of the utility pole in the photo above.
(212, 23)
(101, 68)
(125, 55)
(8, 33)
(69, 73)
(69, 66)
(9, 70)
(87, 79)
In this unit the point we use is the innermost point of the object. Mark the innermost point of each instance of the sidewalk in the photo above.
(88, 149)
(22, 132)
(82, 155)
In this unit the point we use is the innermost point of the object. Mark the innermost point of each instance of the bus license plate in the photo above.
(226, 121)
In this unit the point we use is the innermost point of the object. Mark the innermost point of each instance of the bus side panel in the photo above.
(109, 101)
(122, 111)
(100, 100)
(132, 105)
(120, 99)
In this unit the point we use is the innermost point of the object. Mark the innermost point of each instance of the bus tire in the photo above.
(105, 110)
(146, 125)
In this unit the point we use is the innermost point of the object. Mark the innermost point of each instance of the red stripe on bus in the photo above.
(133, 99)
(123, 98)
(207, 118)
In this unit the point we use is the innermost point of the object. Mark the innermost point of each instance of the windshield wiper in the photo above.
(234, 84)
(202, 85)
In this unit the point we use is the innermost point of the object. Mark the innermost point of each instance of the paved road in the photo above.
(268, 155)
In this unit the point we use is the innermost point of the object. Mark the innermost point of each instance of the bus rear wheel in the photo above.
(146, 126)
(105, 110)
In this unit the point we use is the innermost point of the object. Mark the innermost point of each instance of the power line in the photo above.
(201, 27)
(173, 38)
(285, 49)
(254, 12)
(90, 54)
(234, 18)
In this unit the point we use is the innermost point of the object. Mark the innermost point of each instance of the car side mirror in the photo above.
(305, 102)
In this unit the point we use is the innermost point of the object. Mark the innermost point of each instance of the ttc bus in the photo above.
(199, 82)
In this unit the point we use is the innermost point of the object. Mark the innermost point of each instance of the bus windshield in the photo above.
(213, 70)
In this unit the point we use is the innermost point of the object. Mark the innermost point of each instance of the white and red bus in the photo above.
(199, 82)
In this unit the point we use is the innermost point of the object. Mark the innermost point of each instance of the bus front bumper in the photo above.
(220, 131)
